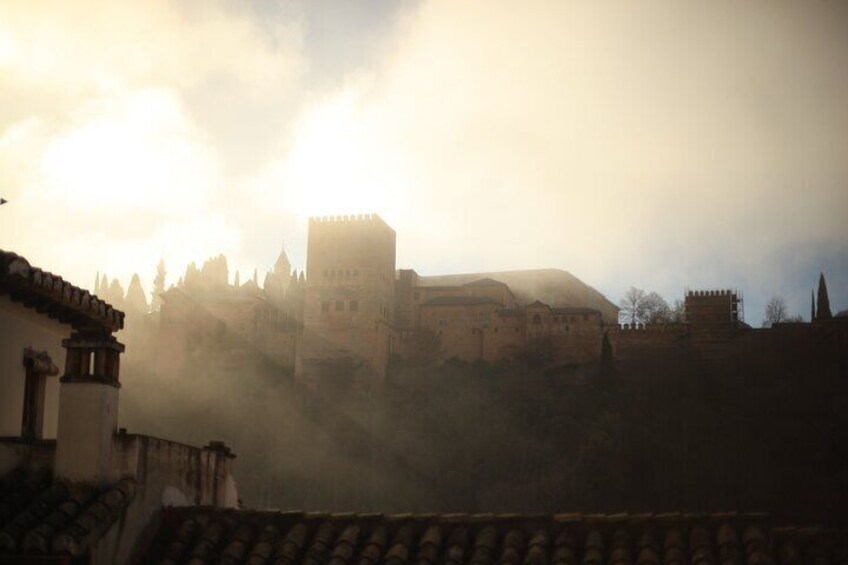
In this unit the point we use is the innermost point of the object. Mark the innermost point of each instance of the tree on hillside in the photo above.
(192, 279)
(677, 313)
(655, 309)
(776, 312)
(158, 287)
(823, 305)
(425, 348)
(640, 307)
(136, 302)
(116, 294)
(812, 305)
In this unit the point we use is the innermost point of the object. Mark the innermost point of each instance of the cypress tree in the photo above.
(823, 305)
(158, 287)
(812, 305)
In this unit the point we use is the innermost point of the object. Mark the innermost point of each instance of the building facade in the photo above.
(75, 488)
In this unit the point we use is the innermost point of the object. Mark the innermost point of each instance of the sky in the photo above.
(660, 144)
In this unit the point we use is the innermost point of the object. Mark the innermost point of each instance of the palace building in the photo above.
(354, 311)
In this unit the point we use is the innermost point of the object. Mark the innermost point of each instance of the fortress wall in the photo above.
(462, 329)
(795, 349)
(630, 343)
(506, 339)
(578, 342)
(421, 294)
(406, 281)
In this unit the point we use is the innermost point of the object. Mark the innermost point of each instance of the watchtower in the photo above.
(713, 310)
(350, 272)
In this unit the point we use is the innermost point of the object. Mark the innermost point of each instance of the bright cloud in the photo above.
(659, 144)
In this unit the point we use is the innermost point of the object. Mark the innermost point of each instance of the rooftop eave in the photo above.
(51, 295)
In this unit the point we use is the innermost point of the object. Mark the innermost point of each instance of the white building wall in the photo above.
(21, 327)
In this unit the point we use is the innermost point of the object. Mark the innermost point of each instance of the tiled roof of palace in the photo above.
(42, 516)
(487, 281)
(460, 301)
(51, 294)
(553, 286)
(205, 535)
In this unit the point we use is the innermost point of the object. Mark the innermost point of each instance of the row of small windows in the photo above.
(340, 273)
(339, 305)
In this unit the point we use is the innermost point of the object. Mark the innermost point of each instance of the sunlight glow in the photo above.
(136, 152)
(334, 167)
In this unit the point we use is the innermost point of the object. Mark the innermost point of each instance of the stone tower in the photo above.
(349, 299)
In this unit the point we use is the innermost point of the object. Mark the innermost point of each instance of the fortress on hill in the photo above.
(353, 310)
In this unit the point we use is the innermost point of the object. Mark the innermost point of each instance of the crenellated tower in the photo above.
(349, 299)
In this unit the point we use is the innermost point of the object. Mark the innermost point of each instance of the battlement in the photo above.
(714, 307)
(721, 292)
(349, 220)
(650, 328)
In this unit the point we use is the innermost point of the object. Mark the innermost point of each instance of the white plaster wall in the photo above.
(168, 473)
(21, 327)
(88, 420)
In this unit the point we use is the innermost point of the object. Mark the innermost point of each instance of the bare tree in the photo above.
(632, 306)
(655, 309)
(677, 313)
(640, 307)
(776, 311)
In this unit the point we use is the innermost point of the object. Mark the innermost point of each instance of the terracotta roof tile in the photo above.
(486, 281)
(50, 293)
(39, 516)
(216, 535)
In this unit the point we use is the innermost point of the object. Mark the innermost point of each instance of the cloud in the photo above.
(658, 144)
(118, 135)
(662, 144)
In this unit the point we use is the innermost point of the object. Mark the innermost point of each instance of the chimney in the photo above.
(88, 407)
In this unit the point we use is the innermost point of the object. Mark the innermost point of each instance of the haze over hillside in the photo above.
(554, 287)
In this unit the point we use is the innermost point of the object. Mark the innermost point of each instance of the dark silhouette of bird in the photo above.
(3, 201)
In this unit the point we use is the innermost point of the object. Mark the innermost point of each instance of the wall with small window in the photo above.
(20, 328)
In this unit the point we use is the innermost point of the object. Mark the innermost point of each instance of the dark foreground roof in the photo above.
(52, 295)
(205, 535)
(40, 516)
